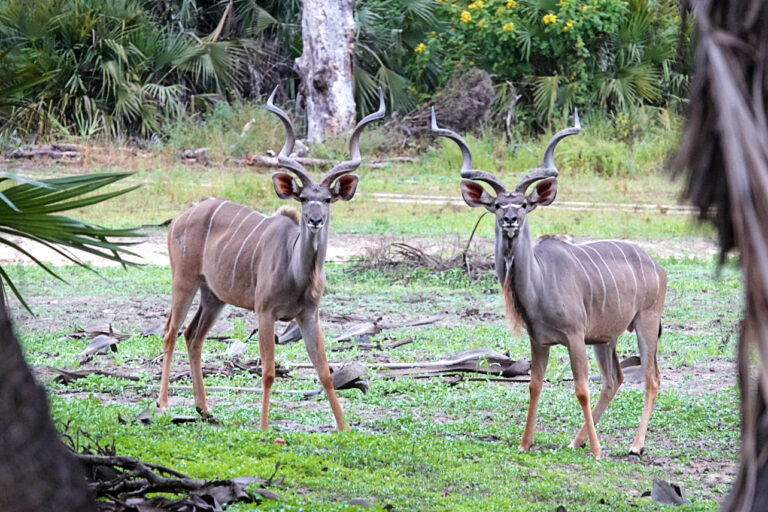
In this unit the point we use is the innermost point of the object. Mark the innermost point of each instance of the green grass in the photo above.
(418, 444)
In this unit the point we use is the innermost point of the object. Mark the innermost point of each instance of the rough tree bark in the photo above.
(725, 151)
(325, 66)
(37, 473)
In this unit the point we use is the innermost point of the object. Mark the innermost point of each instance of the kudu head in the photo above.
(511, 208)
(337, 183)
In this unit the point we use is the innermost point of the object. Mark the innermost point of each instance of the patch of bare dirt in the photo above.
(153, 249)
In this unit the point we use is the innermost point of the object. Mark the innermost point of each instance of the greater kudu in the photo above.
(572, 295)
(272, 265)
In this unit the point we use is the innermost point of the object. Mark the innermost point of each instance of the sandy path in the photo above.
(154, 251)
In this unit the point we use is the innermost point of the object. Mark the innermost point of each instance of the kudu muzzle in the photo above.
(315, 215)
(510, 219)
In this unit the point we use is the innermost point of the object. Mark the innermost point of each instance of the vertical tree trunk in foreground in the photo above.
(325, 66)
(37, 472)
(725, 149)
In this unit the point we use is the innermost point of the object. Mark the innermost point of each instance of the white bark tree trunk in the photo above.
(325, 66)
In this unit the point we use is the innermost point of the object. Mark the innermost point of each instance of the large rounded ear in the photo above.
(344, 188)
(475, 195)
(543, 193)
(285, 186)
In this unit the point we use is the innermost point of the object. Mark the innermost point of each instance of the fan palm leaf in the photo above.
(30, 209)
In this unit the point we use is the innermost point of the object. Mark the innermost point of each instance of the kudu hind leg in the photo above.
(313, 339)
(612, 378)
(577, 352)
(194, 335)
(181, 299)
(647, 329)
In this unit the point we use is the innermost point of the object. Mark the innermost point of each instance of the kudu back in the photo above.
(568, 294)
(272, 265)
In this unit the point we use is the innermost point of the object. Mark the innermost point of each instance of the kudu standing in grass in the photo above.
(572, 295)
(271, 265)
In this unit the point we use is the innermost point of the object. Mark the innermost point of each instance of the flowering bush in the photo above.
(611, 54)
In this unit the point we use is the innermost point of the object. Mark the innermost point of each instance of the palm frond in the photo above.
(27, 209)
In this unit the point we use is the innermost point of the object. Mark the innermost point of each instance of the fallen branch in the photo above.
(67, 376)
(133, 477)
(479, 360)
(271, 161)
(50, 153)
(371, 346)
(233, 388)
(125, 482)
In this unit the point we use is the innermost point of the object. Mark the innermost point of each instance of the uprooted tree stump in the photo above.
(463, 105)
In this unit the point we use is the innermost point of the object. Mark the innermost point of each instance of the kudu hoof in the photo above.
(206, 416)
(635, 454)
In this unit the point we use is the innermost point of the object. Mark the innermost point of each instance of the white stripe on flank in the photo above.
(234, 231)
(608, 267)
(256, 250)
(602, 308)
(242, 246)
(656, 275)
(631, 268)
(642, 270)
(210, 223)
(589, 282)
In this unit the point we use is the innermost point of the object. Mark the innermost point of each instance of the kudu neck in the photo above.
(517, 257)
(309, 253)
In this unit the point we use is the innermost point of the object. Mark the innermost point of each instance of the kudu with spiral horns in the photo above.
(567, 294)
(272, 265)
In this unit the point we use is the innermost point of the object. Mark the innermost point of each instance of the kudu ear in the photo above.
(543, 193)
(344, 188)
(285, 186)
(475, 195)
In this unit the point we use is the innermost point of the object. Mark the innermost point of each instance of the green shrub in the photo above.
(104, 68)
(608, 55)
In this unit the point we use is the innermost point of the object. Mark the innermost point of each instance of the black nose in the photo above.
(510, 220)
(315, 221)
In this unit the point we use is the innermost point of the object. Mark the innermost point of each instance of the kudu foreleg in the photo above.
(612, 377)
(313, 339)
(267, 353)
(580, 368)
(539, 360)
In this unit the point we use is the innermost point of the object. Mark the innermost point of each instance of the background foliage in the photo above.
(85, 68)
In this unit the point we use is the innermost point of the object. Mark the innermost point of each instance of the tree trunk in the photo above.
(325, 66)
(37, 472)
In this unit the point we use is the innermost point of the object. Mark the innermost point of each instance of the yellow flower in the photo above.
(481, 24)
(420, 48)
(549, 18)
(478, 4)
(509, 27)
(568, 25)
(471, 63)
(583, 8)
(511, 3)
(466, 16)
